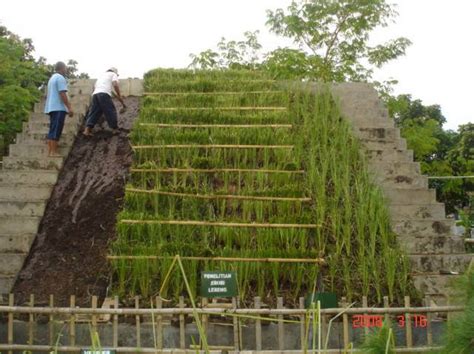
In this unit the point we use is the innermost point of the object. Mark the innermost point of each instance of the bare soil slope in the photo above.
(69, 253)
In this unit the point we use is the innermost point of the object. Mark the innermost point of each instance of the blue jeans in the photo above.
(56, 124)
(102, 104)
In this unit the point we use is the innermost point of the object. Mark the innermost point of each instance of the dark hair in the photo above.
(59, 66)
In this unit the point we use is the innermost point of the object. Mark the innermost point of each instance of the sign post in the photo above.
(218, 284)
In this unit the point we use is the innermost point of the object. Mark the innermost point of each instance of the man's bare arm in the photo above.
(119, 95)
(65, 99)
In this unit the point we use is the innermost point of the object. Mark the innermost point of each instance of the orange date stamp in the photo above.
(362, 321)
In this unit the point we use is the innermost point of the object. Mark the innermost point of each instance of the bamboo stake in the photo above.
(386, 305)
(11, 303)
(51, 321)
(137, 323)
(235, 326)
(429, 333)
(115, 323)
(302, 325)
(408, 329)
(240, 126)
(218, 196)
(258, 326)
(365, 305)
(220, 108)
(345, 321)
(159, 320)
(31, 321)
(211, 146)
(182, 338)
(215, 170)
(227, 259)
(281, 329)
(94, 317)
(222, 224)
(72, 322)
(208, 93)
(205, 318)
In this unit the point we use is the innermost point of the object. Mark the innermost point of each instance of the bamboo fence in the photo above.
(226, 313)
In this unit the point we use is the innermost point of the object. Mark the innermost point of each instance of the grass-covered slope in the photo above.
(230, 164)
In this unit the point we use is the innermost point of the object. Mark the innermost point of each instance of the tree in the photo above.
(440, 152)
(243, 54)
(334, 35)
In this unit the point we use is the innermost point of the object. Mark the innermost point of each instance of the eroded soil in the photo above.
(69, 254)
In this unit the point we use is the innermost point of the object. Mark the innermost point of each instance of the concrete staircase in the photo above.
(27, 179)
(418, 219)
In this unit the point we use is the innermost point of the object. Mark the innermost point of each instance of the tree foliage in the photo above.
(242, 54)
(335, 36)
(440, 152)
(21, 77)
(331, 38)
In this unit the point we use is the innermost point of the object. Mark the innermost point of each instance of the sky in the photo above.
(136, 36)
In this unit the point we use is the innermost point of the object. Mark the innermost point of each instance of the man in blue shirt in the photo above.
(57, 106)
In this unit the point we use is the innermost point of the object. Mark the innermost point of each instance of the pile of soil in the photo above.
(68, 256)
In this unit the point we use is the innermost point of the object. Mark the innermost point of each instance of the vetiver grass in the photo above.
(299, 191)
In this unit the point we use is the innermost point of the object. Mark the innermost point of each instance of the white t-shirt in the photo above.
(104, 83)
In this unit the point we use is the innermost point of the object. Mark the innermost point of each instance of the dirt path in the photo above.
(68, 256)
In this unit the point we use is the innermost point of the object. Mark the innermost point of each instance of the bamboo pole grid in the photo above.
(69, 318)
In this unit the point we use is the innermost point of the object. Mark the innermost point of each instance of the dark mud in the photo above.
(69, 254)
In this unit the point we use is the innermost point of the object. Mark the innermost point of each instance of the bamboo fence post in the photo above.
(51, 321)
(31, 321)
(94, 317)
(365, 305)
(345, 322)
(72, 322)
(205, 318)
(408, 329)
(115, 323)
(386, 304)
(182, 338)
(159, 320)
(235, 325)
(302, 325)
(137, 323)
(429, 333)
(258, 326)
(11, 303)
(281, 328)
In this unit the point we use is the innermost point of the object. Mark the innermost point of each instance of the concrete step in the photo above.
(410, 196)
(11, 263)
(402, 182)
(378, 134)
(396, 168)
(385, 155)
(16, 243)
(44, 126)
(40, 138)
(37, 177)
(19, 224)
(399, 144)
(25, 192)
(20, 208)
(423, 227)
(26, 163)
(435, 284)
(417, 211)
(35, 150)
(432, 244)
(44, 118)
(437, 263)
(79, 105)
(6, 284)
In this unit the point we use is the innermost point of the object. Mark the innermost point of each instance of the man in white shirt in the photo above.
(102, 101)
